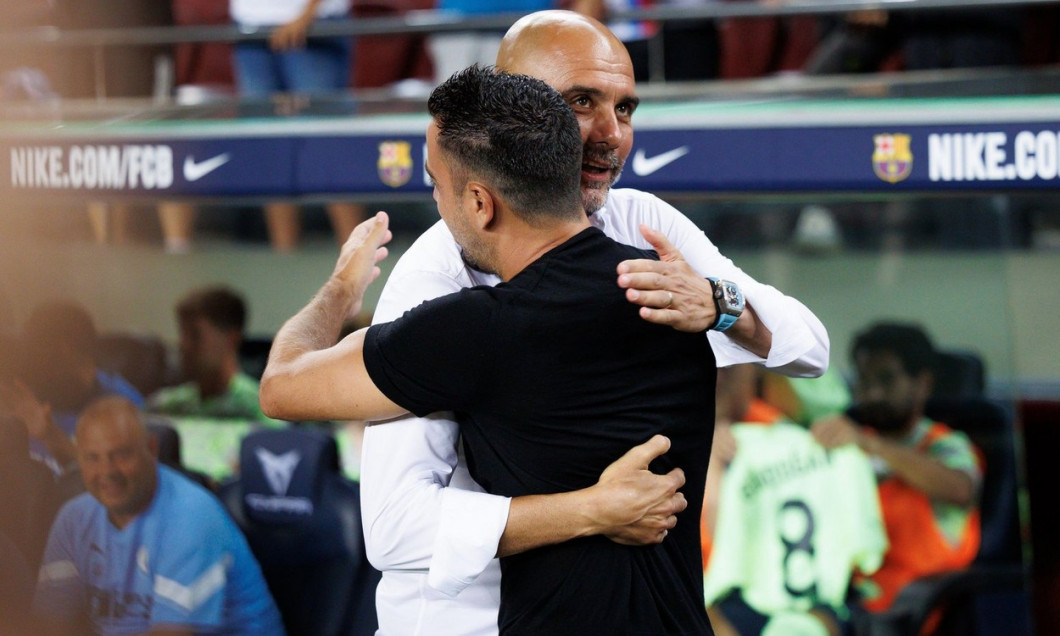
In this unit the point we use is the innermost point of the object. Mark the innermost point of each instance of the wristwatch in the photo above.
(728, 300)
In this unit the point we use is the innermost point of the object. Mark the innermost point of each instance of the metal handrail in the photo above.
(434, 21)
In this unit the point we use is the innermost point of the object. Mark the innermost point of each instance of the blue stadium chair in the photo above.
(302, 519)
(991, 596)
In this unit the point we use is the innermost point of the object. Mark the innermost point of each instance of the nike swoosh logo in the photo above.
(193, 171)
(644, 165)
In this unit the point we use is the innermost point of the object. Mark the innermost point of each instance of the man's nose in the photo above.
(606, 129)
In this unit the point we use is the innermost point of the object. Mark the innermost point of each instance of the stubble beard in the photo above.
(594, 193)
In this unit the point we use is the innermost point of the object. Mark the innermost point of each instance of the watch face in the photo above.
(733, 298)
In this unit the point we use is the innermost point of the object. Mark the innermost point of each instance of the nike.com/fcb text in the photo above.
(109, 167)
(991, 156)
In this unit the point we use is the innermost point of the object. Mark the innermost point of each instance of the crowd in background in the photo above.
(52, 377)
(671, 52)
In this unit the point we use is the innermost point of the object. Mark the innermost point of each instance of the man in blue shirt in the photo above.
(145, 550)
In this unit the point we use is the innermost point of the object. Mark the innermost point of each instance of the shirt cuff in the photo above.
(800, 344)
(469, 532)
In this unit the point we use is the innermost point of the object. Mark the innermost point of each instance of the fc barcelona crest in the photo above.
(395, 163)
(892, 160)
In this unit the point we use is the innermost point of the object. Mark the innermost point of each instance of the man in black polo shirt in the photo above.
(552, 374)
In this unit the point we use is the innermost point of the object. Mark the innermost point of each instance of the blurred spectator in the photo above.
(929, 475)
(15, 16)
(795, 522)
(968, 38)
(756, 47)
(294, 64)
(874, 40)
(736, 401)
(28, 495)
(750, 599)
(392, 59)
(805, 400)
(1040, 44)
(187, 568)
(112, 70)
(453, 51)
(61, 374)
(636, 35)
(30, 491)
(26, 83)
(859, 42)
(690, 47)
(16, 589)
(202, 69)
(211, 321)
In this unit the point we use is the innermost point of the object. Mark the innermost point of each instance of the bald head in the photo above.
(539, 38)
(113, 412)
(114, 453)
(579, 57)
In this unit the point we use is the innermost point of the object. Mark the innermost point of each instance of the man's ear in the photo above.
(481, 201)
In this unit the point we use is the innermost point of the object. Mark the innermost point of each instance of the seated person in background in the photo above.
(211, 322)
(61, 377)
(929, 475)
(736, 401)
(145, 550)
(795, 522)
(806, 400)
(28, 499)
(28, 493)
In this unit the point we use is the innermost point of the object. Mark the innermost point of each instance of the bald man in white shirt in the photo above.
(429, 527)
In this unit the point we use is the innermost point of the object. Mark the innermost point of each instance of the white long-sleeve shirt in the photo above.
(428, 526)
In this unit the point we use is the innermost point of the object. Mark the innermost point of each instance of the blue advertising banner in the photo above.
(947, 145)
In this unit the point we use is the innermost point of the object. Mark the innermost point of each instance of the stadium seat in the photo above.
(167, 439)
(990, 597)
(303, 522)
(959, 374)
(1041, 437)
(253, 355)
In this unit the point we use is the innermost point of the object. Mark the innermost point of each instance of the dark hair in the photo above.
(219, 305)
(515, 132)
(907, 341)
